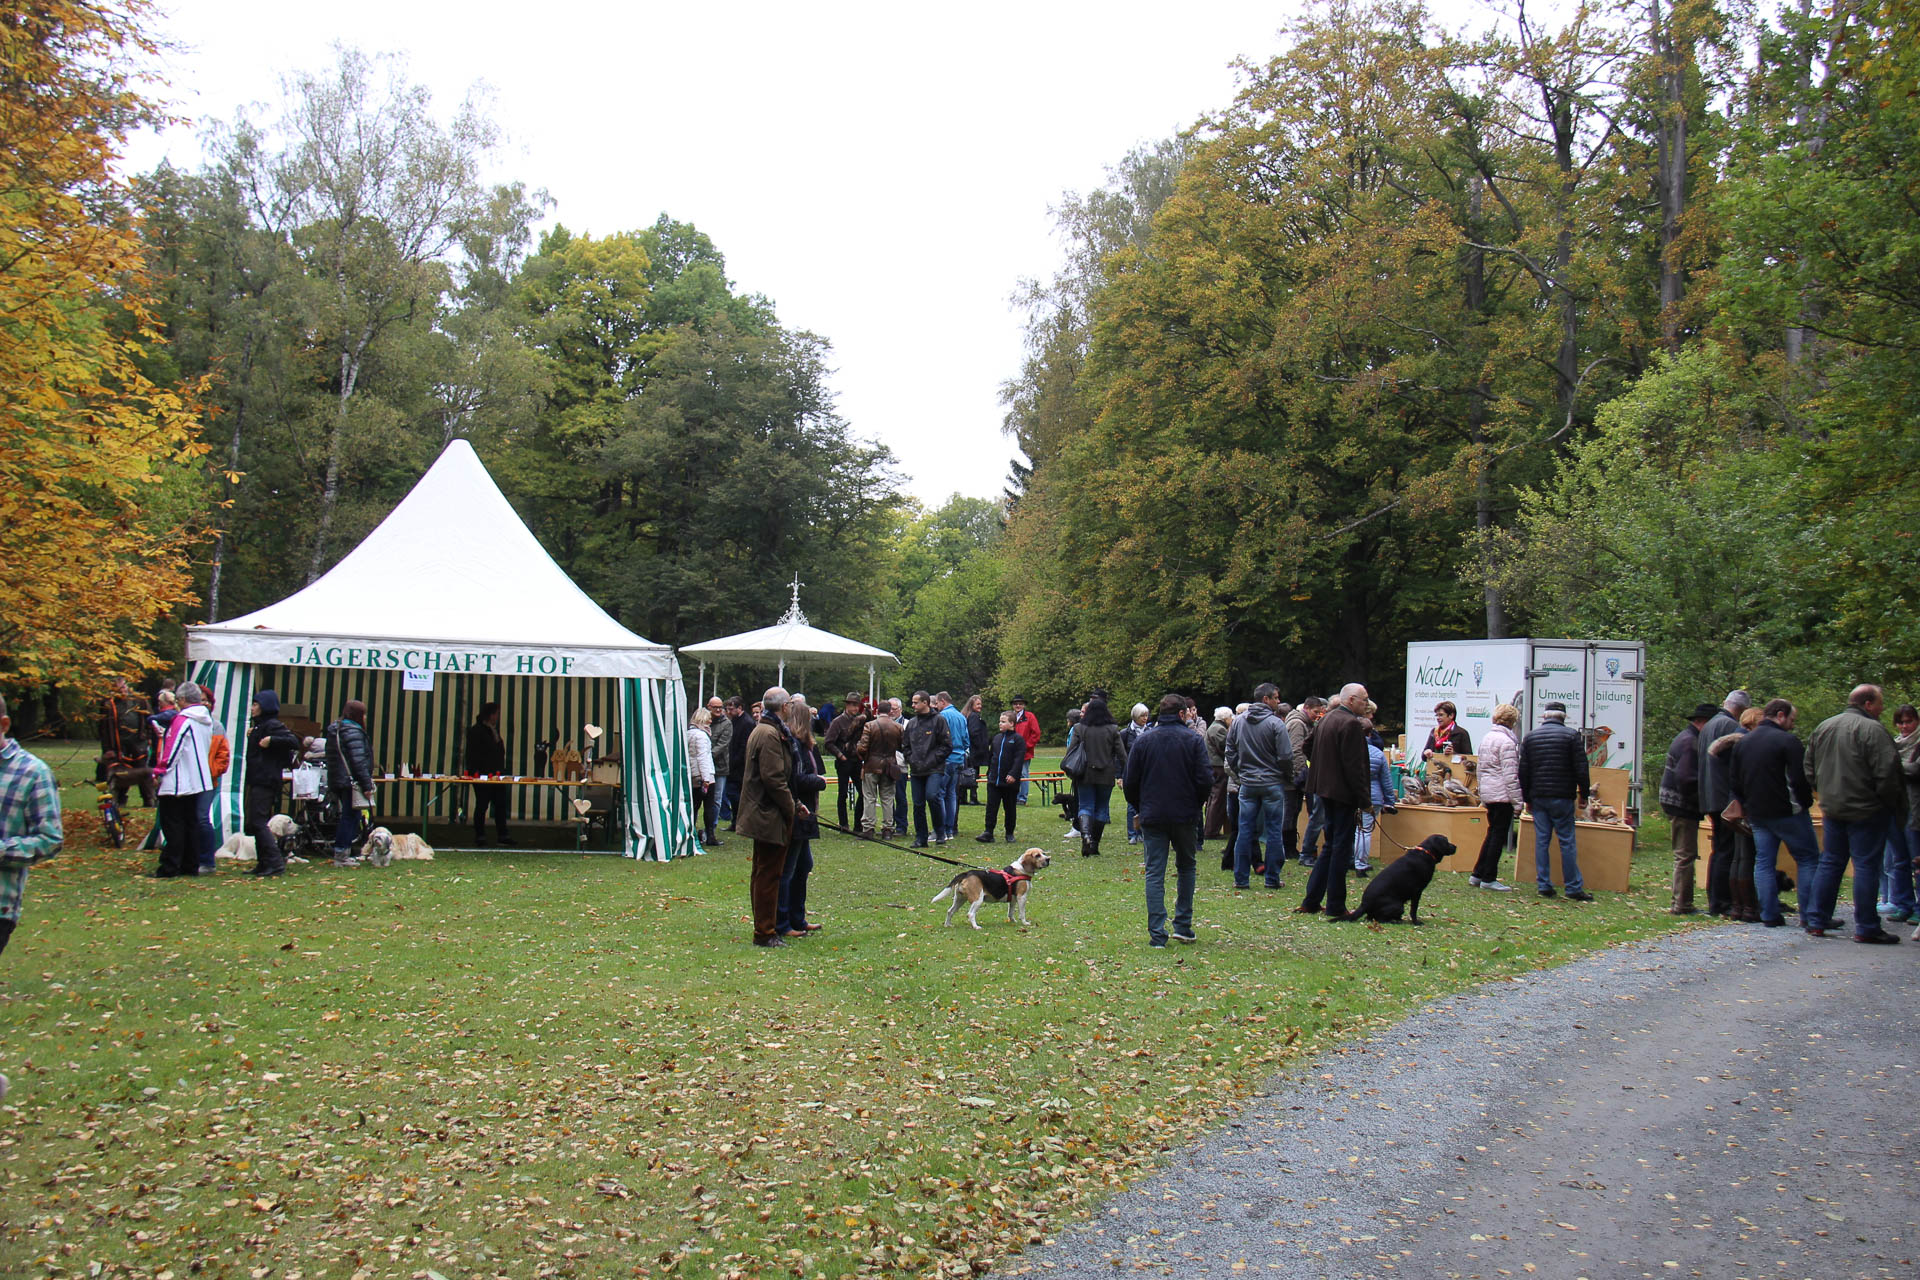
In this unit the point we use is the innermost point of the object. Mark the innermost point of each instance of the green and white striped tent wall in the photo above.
(427, 729)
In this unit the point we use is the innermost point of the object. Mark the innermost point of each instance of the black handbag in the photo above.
(1075, 763)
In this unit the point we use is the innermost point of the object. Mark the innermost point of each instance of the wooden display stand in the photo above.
(1467, 828)
(1612, 785)
(1605, 852)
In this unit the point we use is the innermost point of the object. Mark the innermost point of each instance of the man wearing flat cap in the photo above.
(1680, 801)
(1554, 782)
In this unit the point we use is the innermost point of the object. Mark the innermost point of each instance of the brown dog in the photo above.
(1009, 886)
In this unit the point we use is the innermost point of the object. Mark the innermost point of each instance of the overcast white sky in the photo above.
(883, 173)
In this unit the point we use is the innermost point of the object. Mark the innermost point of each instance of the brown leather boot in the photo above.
(1746, 900)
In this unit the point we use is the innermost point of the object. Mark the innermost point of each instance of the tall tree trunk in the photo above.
(330, 485)
(233, 467)
(1671, 170)
(1475, 281)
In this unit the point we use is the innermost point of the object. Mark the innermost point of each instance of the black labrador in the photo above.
(1399, 886)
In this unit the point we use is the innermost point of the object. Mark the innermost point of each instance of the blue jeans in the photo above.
(1133, 824)
(937, 795)
(1363, 841)
(1263, 816)
(1316, 824)
(1157, 840)
(950, 806)
(1093, 803)
(900, 803)
(208, 844)
(1554, 817)
(730, 800)
(1026, 767)
(1864, 843)
(1896, 876)
(791, 913)
(346, 833)
(1796, 832)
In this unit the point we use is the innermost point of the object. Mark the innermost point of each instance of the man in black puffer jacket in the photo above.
(271, 748)
(1554, 782)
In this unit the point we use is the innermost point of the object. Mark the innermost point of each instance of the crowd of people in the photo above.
(1744, 770)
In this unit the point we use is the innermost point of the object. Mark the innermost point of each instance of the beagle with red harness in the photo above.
(1009, 885)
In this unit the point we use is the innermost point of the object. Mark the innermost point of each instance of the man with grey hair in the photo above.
(1853, 764)
(1341, 777)
(768, 811)
(1715, 790)
(1554, 781)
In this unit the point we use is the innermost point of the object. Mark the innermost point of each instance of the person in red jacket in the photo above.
(1027, 725)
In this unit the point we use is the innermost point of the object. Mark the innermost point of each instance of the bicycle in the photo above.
(110, 818)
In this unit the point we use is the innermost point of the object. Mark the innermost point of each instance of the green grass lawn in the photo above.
(531, 1065)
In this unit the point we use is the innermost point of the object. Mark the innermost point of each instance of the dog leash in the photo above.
(918, 853)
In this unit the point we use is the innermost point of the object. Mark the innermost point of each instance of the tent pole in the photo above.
(781, 679)
(870, 689)
(703, 683)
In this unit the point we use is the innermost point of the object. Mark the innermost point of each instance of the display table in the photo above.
(1467, 828)
(1605, 852)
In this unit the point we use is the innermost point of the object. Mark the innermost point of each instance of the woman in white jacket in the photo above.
(186, 776)
(700, 763)
(1499, 792)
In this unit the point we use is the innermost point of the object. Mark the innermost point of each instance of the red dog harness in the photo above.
(1009, 878)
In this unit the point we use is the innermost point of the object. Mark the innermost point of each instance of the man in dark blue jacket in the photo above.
(1554, 782)
(1167, 780)
(1768, 776)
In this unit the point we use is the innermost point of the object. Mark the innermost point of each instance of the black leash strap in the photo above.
(918, 853)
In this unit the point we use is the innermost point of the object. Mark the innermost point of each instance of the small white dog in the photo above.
(240, 848)
(383, 847)
(1008, 886)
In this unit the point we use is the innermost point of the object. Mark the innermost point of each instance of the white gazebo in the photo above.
(789, 640)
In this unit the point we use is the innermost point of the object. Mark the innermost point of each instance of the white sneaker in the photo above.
(1494, 885)
(1071, 834)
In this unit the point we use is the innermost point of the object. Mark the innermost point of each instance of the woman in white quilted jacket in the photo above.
(1499, 792)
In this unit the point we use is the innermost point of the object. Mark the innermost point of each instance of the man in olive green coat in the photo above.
(1854, 766)
(768, 811)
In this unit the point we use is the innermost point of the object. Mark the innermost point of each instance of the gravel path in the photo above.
(1727, 1102)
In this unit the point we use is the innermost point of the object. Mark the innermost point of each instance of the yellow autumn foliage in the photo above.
(87, 440)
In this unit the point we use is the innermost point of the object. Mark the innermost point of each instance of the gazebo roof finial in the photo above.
(793, 613)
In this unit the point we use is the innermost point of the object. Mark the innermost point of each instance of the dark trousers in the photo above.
(1217, 808)
(1005, 794)
(1290, 833)
(6, 931)
(730, 801)
(1499, 827)
(790, 915)
(846, 776)
(262, 803)
(769, 862)
(705, 798)
(492, 795)
(179, 835)
(1329, 879)
(1720, 867)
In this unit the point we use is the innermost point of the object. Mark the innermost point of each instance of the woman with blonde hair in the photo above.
(1499, 792)
(700, 766)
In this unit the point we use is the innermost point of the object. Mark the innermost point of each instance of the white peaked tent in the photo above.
(789, 640)
(452, 587)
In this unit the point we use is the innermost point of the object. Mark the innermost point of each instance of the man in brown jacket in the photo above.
(879, 740)
(767, 812)
(1338, 751)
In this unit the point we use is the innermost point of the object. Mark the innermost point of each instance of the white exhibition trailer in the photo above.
(1603, 683)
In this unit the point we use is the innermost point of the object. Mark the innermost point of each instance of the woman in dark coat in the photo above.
(1105, 751)
(809, 780)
